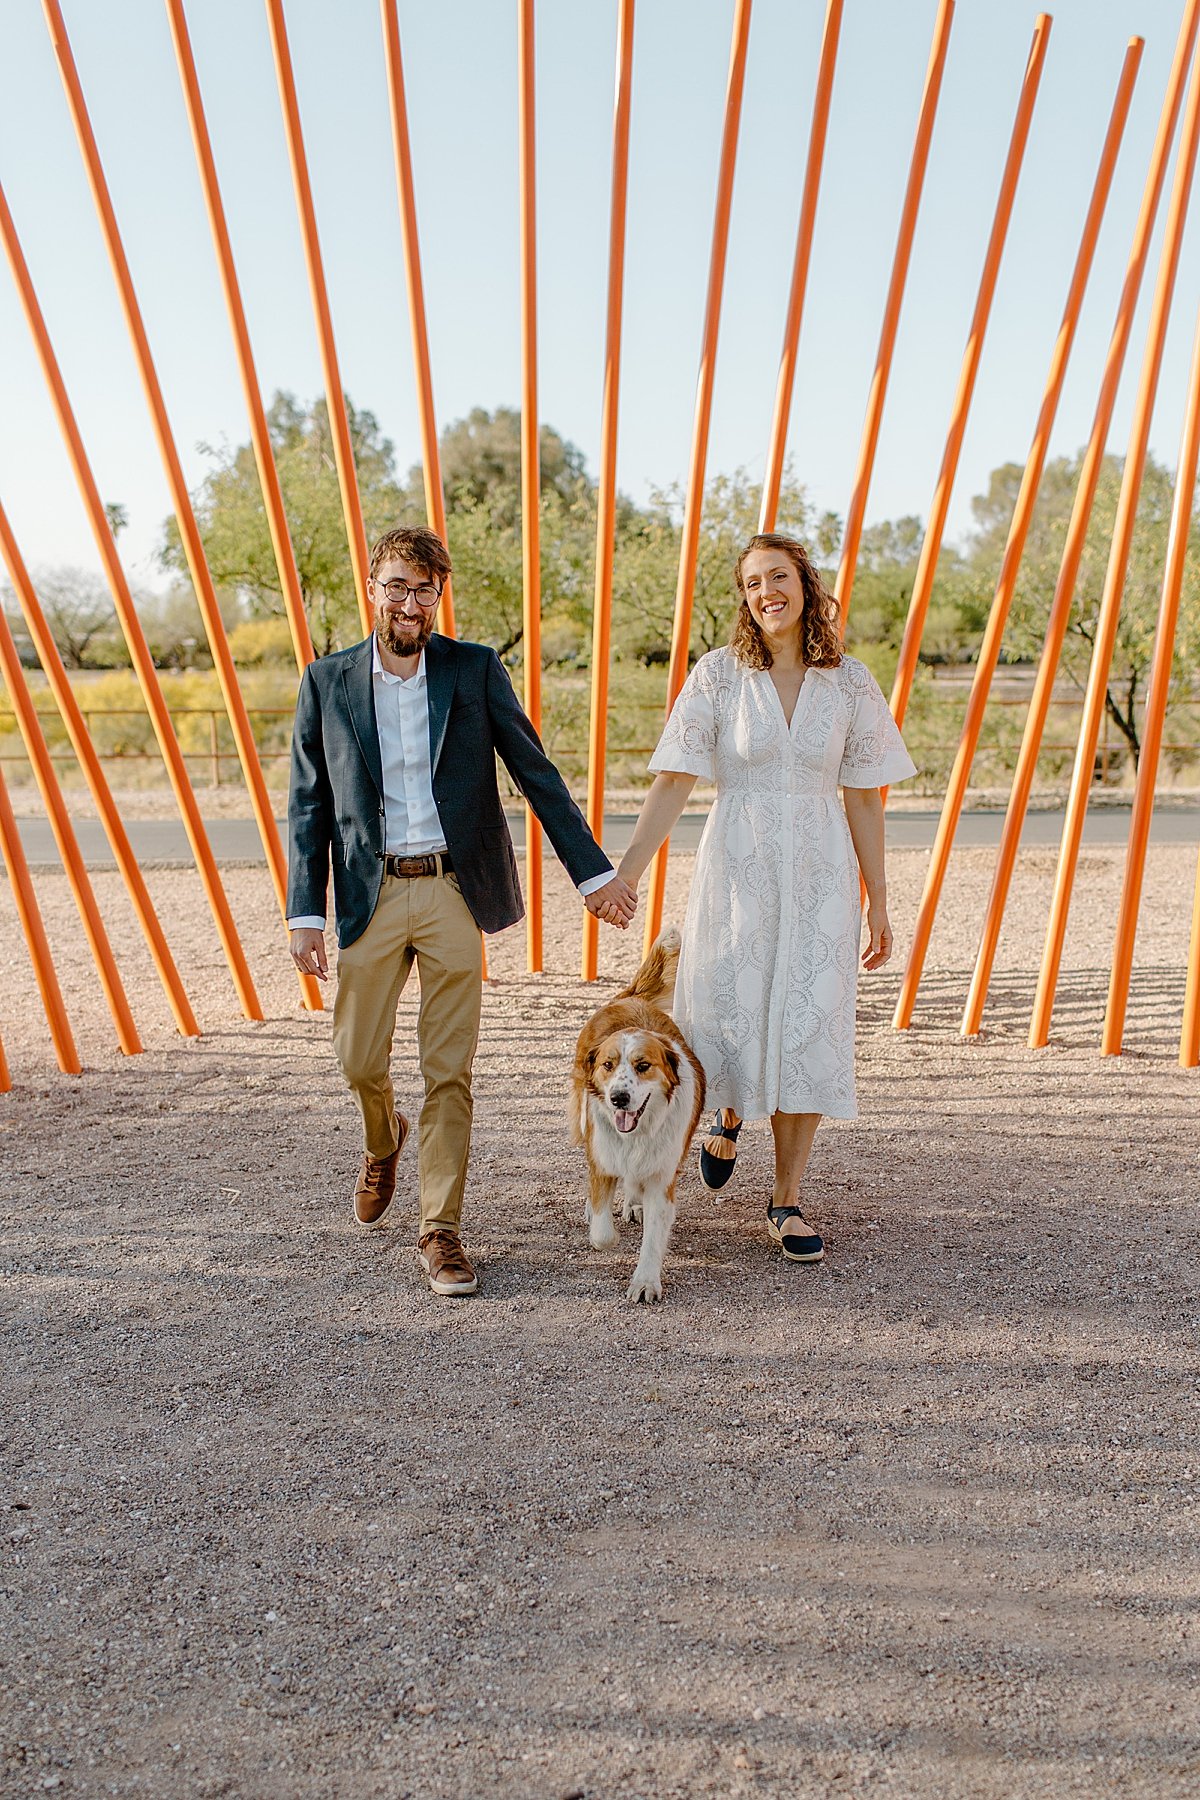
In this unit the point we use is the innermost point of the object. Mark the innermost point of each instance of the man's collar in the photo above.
(377, 667)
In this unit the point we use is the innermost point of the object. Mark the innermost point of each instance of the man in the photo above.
(394, 777)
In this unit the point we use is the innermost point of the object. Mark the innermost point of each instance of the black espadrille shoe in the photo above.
(718, 1152)
(801, 1243)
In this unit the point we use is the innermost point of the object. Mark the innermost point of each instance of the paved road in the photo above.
(162, 843)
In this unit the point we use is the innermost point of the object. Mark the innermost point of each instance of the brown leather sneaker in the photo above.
(376, 1185)
(445, 1262)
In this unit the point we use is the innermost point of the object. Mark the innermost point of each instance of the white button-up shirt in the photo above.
(411, 823)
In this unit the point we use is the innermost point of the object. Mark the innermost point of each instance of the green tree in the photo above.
(1038, 576)
(649, 544)
(233, 522)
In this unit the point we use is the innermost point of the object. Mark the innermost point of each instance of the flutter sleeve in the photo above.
(873, 754)
(688, 744)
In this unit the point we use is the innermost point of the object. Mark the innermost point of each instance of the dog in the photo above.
(637, 1093)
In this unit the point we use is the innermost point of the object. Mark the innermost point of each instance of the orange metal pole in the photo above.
(189, 530)
(531, 566)
(1156, 707)
(1189, 1036)
(694, 505)
(5, 1075)
(804, 235)
(989, 652)
(435, 500)
(131, 626)
(264, 456)
(35, 936)
(852, 537)
(81, 743)
(64, 836)
(335, 399)
(606, 501)
(1118, 562)
(931, 546)
(1081, 512)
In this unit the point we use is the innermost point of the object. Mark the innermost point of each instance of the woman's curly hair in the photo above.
(820, 637)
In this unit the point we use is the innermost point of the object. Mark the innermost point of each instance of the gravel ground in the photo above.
(919, 1521)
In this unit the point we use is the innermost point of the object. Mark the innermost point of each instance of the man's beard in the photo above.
(407, 638)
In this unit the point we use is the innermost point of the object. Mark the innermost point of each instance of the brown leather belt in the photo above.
(408, 867)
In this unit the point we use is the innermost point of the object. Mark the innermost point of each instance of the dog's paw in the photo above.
(644, 1287)
(602, 1231)
(631, 1214)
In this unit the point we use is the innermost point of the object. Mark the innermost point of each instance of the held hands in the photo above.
(879, 949)
(615, 903)
(308, 952)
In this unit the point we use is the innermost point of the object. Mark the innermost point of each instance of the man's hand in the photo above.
(308, 952)
(615, 903)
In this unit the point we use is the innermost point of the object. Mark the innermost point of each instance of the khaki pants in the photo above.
(427, 920)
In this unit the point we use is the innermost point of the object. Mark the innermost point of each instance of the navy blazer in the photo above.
(335, 807)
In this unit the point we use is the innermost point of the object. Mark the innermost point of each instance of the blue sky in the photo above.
(460, 58)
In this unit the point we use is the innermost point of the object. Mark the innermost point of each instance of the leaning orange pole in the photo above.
(89, 762)
(29, 913)
(131, 627)
(694, 504)
(531, 551)
(37, 750)
(260, 436)
(606, 500)
(431, 466)
(931, 545)
(1076, 538)
(856, 514)
(777, 449)
(189, 530)
(335, 399)
(1155, 714)
(1118, 563)
(1018, 531)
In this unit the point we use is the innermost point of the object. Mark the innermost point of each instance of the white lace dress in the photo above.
(767, 979)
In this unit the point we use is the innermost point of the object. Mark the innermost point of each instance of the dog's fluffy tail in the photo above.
(655, 980)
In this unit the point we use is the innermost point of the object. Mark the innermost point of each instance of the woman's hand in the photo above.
(879, 950)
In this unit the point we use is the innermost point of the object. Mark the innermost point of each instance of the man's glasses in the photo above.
(425, 593)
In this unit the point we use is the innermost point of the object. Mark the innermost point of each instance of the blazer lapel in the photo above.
(441, 673)
(360, 699)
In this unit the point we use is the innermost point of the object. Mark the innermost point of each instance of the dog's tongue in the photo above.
(625, 1121)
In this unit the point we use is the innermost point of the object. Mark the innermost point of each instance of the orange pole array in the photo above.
(64, 836)
(131, 625)
(606, 501)
(931, 546)
(777, 448)
(1118, 562)
(335, 399)
(1189, 1036)
(189, 530)
(264, 456)
(694, 505)
(1081, 512)
(852, 537)
(989, 651)
(531, 552)
(435, 501)
(85, 751)
(1156, 708)
(35, 936)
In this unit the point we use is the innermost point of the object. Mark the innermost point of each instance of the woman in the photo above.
(779, 720)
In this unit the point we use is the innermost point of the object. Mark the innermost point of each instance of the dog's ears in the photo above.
(589, 1061)
(671, 1058)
